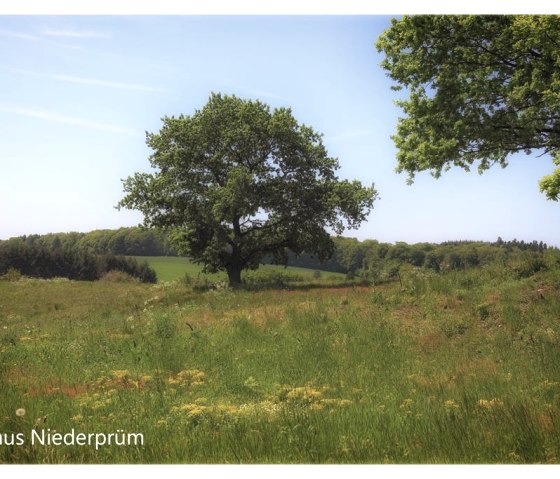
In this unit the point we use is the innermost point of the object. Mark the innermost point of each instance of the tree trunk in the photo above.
(234, 276)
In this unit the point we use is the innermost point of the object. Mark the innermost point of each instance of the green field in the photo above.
(170, 268)
(455, 368)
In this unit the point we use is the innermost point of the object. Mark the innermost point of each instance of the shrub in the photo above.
(12, 274)
(41, 261)
(528, 265)
(483, 311)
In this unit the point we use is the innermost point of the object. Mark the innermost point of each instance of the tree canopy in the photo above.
(480, 88)
(236, 182)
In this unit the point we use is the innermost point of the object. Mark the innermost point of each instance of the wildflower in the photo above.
(251, 382)
(189, 377)
(192, 409)
(120, 373)
(20, 412)
(77, 418)
(489, 403)
(407, 403)
(450, 404)
(40, 420)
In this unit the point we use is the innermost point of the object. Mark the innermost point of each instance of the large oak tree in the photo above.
(480, 88)
(236, 182)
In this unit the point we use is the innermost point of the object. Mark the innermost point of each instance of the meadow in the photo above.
(462, 367)
(170, 268)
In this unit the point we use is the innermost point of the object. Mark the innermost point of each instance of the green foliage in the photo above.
(483, 311)
(36, 259)
(525, 264)
(236, 183)
(11, 274)
(480, 88)
(126, 241)
(366, 260)
(132, 241)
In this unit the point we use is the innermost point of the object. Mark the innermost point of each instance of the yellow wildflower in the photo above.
(406, 404)
(450, 404)
(120, 373)
(489, 403)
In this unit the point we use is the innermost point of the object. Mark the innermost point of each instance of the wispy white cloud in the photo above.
(45, 115)
(12, 34)
(109, 84)
(88, 81)
(67, 32)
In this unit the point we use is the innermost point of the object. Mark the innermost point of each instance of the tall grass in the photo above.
(448, 369)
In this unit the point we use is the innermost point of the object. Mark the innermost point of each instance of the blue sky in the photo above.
(77, 94)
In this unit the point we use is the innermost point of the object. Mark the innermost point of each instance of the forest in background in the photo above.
(87, 256)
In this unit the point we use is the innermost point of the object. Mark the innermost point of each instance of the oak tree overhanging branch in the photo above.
(480, 88)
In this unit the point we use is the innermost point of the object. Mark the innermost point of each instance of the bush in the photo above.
(528, 265)
(40, 261)
(12, 275)
(483, 311)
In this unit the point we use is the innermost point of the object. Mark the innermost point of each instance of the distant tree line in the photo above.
(31, 256)
(377, 261)
(133, 241)
(374, 260)
(87, 255)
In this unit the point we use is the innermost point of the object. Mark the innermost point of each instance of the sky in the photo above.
(78, 93)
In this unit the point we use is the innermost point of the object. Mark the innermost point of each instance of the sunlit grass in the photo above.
(170, 268)
(461, 368)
